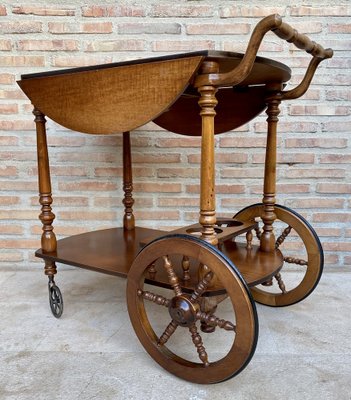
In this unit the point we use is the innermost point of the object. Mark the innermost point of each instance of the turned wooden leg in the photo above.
(128, 201)
(267, 239)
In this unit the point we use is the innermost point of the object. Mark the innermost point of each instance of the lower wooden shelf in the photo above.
(112, 251)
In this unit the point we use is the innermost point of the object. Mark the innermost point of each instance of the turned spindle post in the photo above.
(128, 201)
(267, 240)
(48, 238)
(208, 103)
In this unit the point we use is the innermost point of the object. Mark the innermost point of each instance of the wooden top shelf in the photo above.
(87, 99)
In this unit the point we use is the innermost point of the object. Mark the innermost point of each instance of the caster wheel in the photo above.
(302, 252)
(56, 300)
(167, 318)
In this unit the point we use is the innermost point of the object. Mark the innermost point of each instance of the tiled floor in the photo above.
(304, 351)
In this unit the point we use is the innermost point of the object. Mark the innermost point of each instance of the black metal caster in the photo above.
(55, 299)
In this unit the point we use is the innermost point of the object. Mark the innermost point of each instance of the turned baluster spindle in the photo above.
(186, 268)
(197, 340)
(128, 201)
(207, 103)
(267, 241)
(48, 238)
(249, 237)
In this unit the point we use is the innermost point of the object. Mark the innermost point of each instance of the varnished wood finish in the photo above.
(111, 100)
(310, 271)
(236, 106)
(110, 251)
(128, 201)
(48, 238)
(241, 331)
(269, 185)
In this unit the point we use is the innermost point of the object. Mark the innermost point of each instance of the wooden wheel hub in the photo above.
(183, 311)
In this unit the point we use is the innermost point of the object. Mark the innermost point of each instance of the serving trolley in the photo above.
(191, 290)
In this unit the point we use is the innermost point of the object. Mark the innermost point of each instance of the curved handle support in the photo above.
(271, 23)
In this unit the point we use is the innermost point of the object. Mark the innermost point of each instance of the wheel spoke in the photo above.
(293, 260)
(197, 340)
(201, 287)
(280, 281)
(172, 326)
(212, 320)
(172, 276)
(155, 298)
(283, 236)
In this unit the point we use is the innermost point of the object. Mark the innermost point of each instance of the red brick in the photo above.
(241, 46)
(8, 171)
(338, 94)
(138, 28)
(11, 229)
(342, 188)
(289, 127)
(242, 173)
(116, 45)
(11, 257)
(82, 215)
(87, 186)
(182, 45)
(314, 173)
(230, 158)
(18, 215)
(113, 11)
(179, 142)
(60, 171)
(237, 141)
(237, 203)
(329, 232)
(47, 45)
(21, 27)
(339, 28)
(175, 10)
(316, 142)
(315, 202)
(157, 215)
(22, 61)
(319, 110)
(178, 202)
(9, 200)
(284, 188)
(287, 158)
(256, 11)
(7, 79)
(325, 11)
(8, 108)
(348, 232)
(80, 61)
(217, 29)
(335, 158)
(155, 158)
(178, 172)
(152, 187)
(5, 45)
(44, 10)
(3, 11)
(335, 126)
(141, 202)
(8, 141)
(16, 94)
(339, 63)
(347, 260)
(337, 246)
(86, 27)
(86, 157)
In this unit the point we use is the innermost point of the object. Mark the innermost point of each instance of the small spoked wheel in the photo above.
(55, 300)
(302, 252)
(166, 314)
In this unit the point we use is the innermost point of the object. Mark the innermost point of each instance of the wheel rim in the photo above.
(243, 337)
(308, 267)
(56, 301)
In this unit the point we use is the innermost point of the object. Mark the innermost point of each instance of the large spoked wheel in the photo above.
(302, 252)
(166, 320)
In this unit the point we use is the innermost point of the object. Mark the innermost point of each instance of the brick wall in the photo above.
(314, 141)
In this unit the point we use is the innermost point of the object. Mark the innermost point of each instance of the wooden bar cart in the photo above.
(195, 288)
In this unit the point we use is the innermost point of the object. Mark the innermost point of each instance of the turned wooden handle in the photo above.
(301, 41)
